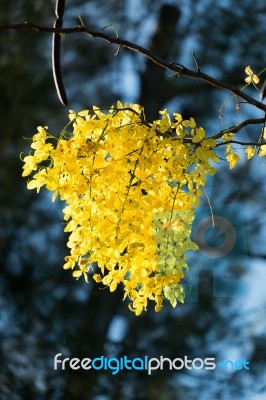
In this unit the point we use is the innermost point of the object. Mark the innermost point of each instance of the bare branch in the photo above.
(238, 127)
(240, 143)
(180, 70)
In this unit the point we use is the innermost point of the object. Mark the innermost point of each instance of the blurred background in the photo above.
(43, 310)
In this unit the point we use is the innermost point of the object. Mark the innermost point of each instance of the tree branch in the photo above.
(177, 68)
(240, 143)
(238, 127)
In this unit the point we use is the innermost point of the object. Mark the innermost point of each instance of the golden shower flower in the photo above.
(251, 78)
(130, 188)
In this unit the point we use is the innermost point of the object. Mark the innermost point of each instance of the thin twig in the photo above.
(238, 127)
(240, 143)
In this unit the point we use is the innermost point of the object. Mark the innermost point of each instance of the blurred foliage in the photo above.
(43, 311)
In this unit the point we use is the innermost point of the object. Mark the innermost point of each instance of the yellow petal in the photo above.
(232, 159)
(248, 70)
(262, 150)
(250, 152)
(77, 274)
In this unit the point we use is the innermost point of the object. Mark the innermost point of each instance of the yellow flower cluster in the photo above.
(131, 188)
(231, 154)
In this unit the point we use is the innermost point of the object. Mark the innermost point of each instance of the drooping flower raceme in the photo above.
(131, 188)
